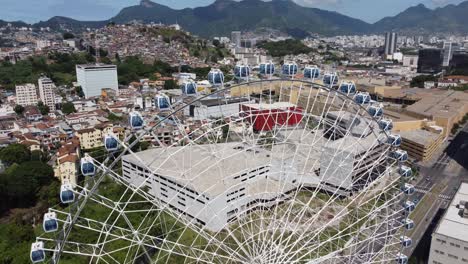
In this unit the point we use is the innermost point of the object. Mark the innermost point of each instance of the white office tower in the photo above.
(46, 92)
(26, 94)
(236, 38)
(391, 39)
(448, 52)
(450, 239)
(95, 77)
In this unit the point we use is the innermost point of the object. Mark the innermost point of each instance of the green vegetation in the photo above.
(19, 109)
(285, 47)
(27, 188)
(419, 81)
(462, 88)
(59, 67)
(457, 126)
(170, 84)
(68, 35)
(44, 109)
(68, 108)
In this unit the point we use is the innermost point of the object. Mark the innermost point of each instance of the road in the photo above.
(438, 183)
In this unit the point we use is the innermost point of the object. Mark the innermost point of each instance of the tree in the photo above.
(79, 91)
(216, 42)
(19, 109)
(68, 108)
(68, 35)
(15, 153)
(44, 109)
(170, 84)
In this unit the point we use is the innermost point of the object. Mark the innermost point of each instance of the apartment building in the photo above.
(449, 243)
(90, 138)
(26, 94)
(46, 92)
(95, 77)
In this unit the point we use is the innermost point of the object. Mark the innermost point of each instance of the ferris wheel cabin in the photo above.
(348, 88)
(216, 77)
(37, 252)
(189, 88)
(330, 79)
(162, 103)
(66, 193)
(267, 68)
(242, 71)
(136, 120)
(87, 166)
(111, 143)
(289, 69)
(50, 223)
(311, 72)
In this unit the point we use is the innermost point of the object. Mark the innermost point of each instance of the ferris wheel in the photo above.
(273, 171)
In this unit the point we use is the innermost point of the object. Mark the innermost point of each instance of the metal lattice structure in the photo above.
(301, 173)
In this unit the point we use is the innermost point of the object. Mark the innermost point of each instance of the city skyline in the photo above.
(35, 11)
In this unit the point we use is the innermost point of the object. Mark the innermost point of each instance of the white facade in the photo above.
(213, 108)
(199, 189)
(26, 94)
(46, 92)
(410, 61)
(449, 243)
(94, 78)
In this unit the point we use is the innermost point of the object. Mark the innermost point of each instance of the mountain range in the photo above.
(224, 16)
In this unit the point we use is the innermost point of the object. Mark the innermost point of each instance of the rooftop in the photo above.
(420, 136)
(452, 224)
(439, 103)
(193, 165)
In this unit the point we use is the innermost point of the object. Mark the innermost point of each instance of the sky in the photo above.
(35, 10)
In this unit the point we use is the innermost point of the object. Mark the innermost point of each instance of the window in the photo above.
(452, 256)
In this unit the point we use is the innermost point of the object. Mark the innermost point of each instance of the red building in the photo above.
(264, 117)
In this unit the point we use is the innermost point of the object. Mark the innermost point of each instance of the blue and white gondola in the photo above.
(385, 124)
(408, 224)
(405, 171)
(87, 166)
(375, 111)
(50, 223)
(136, 120)
(37, 252)
(66, 193)
(348, 88)
(216, 77)
(330, 79)
(400, 155)
(408, 189)
(401, 259)
(242, 72)
(111, 143)
(362, 98)
(394, 140)
(311, 72)
(267, 68)
(406, 242)
(409, 206)
(289, 69)
(189, 88)
(162, 103)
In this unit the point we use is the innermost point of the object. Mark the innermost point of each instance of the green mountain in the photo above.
(420, 19)
(224, 16)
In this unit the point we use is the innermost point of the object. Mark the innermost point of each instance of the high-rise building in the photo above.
(391, 39)
(459, 63)
(46, 92)
(95, 77)
(236, 38)
(430, 61)
(449, 241)
(26, 94)
(448, 52)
